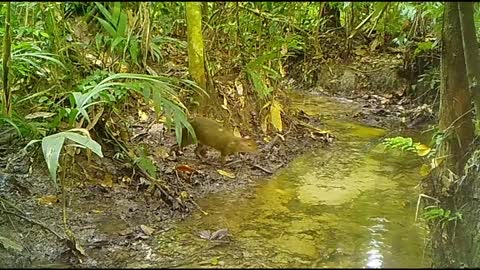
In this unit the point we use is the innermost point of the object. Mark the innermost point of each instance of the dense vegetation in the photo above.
(85, 73)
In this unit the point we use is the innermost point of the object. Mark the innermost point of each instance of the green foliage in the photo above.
(145, 163)
(115, 24)
(52, 146)
(439, 214)
(406, 144)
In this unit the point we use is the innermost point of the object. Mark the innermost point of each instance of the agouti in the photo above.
(210, 133)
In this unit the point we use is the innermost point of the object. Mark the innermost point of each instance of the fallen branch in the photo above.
(261, 168)
(33, 222)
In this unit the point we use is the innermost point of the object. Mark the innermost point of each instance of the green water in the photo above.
(351, 204)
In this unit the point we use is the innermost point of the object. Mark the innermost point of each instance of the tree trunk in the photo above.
(470, 49)
(456, 125)
(196, 63)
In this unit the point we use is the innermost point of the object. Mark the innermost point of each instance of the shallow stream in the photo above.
(351, 204)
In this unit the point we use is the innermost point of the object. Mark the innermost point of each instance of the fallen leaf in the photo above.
(184, 168)
(239, 87)
(184, 194)
(275, 114)
(39, 115)
(146, 230)
(108, 181)
(161, 152)
(227, 174)
(204, 235)
(219, 234)
(143, 116)
(48, 200)
(422, 150)
(424, 170)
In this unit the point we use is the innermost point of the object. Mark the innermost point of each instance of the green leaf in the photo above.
(148, 166)
(122, 24)
(104, 11)
(116, 13)
(109, 28)
(52, 146)
(84, 141)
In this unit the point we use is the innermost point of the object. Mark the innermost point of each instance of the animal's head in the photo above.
(247, 145)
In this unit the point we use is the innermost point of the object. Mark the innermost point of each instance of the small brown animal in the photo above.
(210, 133)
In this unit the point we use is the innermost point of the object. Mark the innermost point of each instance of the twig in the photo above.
(32, 221)
(4, 200)
(261, 168)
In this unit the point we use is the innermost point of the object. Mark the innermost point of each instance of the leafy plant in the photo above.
(52, 146)
(434, 212)
(115, 23)
(406, 144)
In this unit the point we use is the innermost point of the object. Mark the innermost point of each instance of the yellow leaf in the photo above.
(48, 200)
(123, 68)
(161, 152)
(184, 194)
(227, 174)
(423, 150)
(143, 116)
(425, 170)
(275, 114)
(162, 119)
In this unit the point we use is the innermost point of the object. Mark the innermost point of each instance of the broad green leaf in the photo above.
(122, 24)
(104, 11)
(106, 25)
(52, 146)
(85, 141)
(116, 13)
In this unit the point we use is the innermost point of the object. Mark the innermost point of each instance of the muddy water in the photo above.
(351, 204)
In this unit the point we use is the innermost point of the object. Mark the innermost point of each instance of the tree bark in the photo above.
(455, 101)
(472, 57)
(456, 125)
(196, 58)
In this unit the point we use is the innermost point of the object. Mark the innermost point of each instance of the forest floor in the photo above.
(111, 211)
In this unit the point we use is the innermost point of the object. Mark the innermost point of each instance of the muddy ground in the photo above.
(114, 212)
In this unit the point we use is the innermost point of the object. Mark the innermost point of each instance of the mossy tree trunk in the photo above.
(456, 124)
(196, 63)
